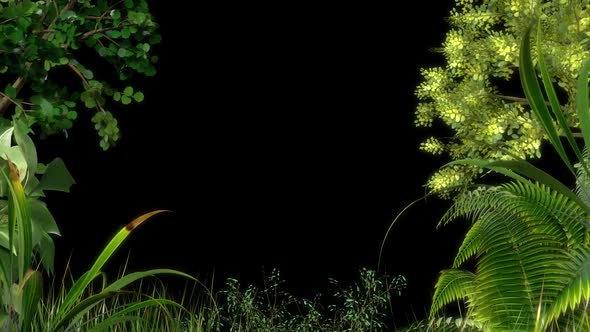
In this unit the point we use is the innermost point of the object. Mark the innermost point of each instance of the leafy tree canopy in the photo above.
(85, 43)
(476, 93)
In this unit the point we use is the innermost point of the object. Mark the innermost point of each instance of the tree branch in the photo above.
(87, 34)
(512, 98)
(6, 101)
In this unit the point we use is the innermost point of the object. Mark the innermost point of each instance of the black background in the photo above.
(282, 136)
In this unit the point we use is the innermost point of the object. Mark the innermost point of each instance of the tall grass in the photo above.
(359, 307)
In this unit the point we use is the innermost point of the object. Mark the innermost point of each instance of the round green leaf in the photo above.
(138, 96)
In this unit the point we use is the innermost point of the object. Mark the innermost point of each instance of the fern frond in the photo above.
(452, 285)
(576, 288)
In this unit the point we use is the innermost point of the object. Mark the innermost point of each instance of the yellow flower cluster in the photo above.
(445, 179)
(435, 80)
(424, 115)
(519, 8)
(453, 49)
(506, 48)
(433, 146)
(477, 92)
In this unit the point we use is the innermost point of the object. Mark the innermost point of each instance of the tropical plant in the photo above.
(58, 56)
(21, 284)
(52, 177)
(25, 222)
(474, 95)
(25, 243)
(529, 238)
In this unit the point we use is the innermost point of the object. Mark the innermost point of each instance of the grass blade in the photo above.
(555, 106)
(19, 216)
(32, 291)
(111, 290)
(533, 92)
(79, 286)
(582, 102)
(122, 315)
(132, 277)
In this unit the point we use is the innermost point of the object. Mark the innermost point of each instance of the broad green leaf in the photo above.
(88, 74)
(56, 177)
(115, 14)
(7, 269)
(122, 52)
(4, 238)
(46, 250)
(31, 187)
(125, 100)
(138, 96)
(42, 217)
(10, 91)
(26, 145)
(128, 91)
(125, 33)
(15, 154)
(6, 139)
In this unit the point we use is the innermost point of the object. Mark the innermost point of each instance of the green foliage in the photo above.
(358, 308)
(25, 225)
(74, 305)
(473, 92)
(530, 240)
(531, 258)
(73, 55)
(53, 176)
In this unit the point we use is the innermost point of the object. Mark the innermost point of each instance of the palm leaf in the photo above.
(452, 285)
(521, 232)
(575, 289)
